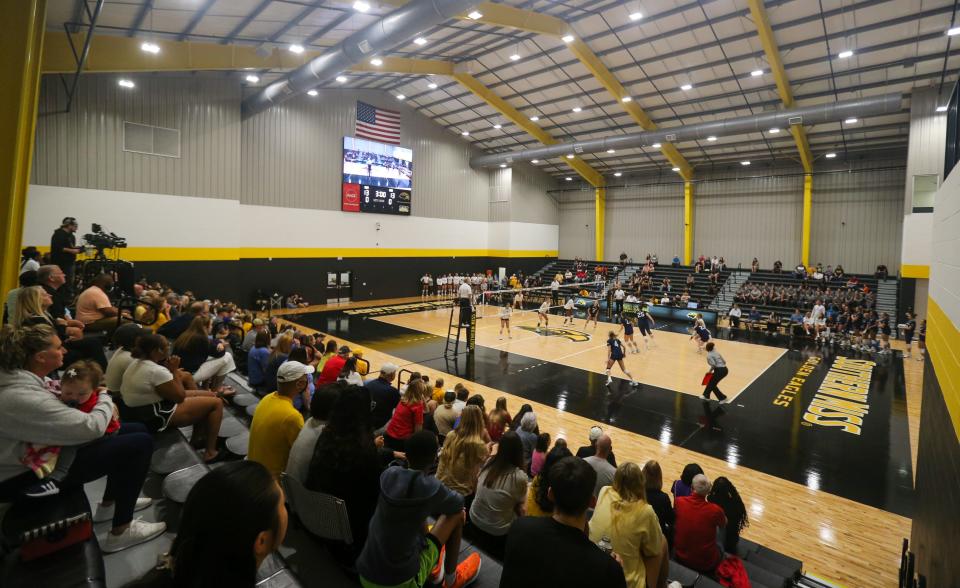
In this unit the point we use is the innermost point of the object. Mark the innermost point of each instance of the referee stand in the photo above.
(467, 319)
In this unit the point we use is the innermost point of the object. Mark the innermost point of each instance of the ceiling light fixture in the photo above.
(576, 109)
(498, 126)
(420, 41)
(611, 151)
(475, 15)
(626, 99)
(954, 31)
(534, 118)
(830, 155)
(711, 138)
(656, 145)
(744, 163)
(686, 87)
(295, 48)
(569, 155)
(774, 131)
(361, 6)
(503, 165)
(252, 79)
(515, 57)
(676, 169)
(567, 38)
(617, 174)
(149, 47)
(568, 178)
(400, 97)
(635, 16)
(534, 161)
(845, 54)
(376, 61)
(756, 73)
(341, 79)
(850, 121)
(465, 133)
(125, 84)
(942, 108)
(312, 92)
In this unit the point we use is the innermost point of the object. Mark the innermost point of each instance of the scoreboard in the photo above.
(366, 198)
(377, 177)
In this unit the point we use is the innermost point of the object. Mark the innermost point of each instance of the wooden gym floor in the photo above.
(838, 501)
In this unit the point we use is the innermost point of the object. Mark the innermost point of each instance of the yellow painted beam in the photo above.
(405, 65)
(599, 224)
(502, 15)
(759, 13)
(807, 214)
(122, 54)
(516, 117)
(687, 222)
(914, 271)
(21, 50)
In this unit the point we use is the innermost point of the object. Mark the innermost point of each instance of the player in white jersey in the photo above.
(568, 307)
(505, 311)
(425, 286)
(441, 285)
(518, 300)
(543, 314)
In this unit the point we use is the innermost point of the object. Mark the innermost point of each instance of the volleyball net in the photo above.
(529, 300)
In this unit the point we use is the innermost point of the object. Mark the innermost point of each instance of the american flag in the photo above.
(378, 124)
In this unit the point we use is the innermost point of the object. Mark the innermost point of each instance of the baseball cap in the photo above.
(68, 220)
(291, 371)
(595, 432)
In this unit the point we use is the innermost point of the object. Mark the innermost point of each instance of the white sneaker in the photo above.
(138, 532)
(105, 513)
(609, 381)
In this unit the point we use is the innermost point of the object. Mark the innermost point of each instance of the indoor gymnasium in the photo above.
(309, 293)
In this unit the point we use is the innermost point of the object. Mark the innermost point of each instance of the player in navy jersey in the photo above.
(615, 353)
(700, 333)
(626, 325)
(593, 313)
(645, 324)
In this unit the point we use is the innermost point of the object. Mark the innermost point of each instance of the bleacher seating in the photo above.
(766, 277)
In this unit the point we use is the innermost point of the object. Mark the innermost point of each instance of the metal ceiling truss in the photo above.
(79, 58)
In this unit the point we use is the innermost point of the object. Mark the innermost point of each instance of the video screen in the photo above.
(368, 163)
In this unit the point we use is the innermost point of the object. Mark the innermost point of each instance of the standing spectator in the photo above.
(590, 450)
(64, 250)
(627, 520)
(500, 495)
(574, 561)
(725, 495)
(605, 471)
(718, 371)
(755, 265)
(464, 453)
(407, 418)
(398, 551)
(695, 535)
(384, 396)
(276, 423)
(658, 499)
(682, 487)
(298, 464)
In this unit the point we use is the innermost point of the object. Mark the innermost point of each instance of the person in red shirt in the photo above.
(331, 369)
(407, 418)
(695, 532)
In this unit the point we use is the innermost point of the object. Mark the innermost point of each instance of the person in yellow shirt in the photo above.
(153, 311)
(438, 391)
(625, 518)
(276, 423)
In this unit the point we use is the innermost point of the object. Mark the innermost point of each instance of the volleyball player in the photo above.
(518, 300)
(568, 311)
(615, 352)
(884, 323)
(922, 339)
(593, 312)
(644, 323)
(425, 286)
(441, 285)
(700, 333)
(626, 325)
(543, 314)
(505, 311)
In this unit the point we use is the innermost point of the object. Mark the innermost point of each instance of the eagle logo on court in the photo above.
(569, 334)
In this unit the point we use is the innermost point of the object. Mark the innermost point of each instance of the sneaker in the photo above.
(609, 381)
(41, 489)
(467, 572)
(634, 383)
(138, 532)
(705, 397)
(436, 574)
(725, 400)
(105, 513)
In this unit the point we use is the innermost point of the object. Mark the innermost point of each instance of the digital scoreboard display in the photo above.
(376, 177)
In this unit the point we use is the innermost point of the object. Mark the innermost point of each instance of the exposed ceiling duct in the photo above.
(388, 32)
(763, 122)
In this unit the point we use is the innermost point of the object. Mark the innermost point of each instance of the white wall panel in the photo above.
(530, 198)
(576, 225)
(945, 269)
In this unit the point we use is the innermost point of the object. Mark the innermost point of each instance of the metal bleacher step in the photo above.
(177, 485)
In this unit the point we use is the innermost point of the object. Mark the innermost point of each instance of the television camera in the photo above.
(101, 241)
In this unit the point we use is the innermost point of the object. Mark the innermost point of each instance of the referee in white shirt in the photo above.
(465, 294)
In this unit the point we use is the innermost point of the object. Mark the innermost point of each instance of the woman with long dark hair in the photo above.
(501, 491)
(204, 357)
(724, 494)
(215, 546)
(682, 487)
(538, 501)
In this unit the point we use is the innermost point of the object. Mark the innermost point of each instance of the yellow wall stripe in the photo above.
(942, 337)
(235, 253)
(914, 271)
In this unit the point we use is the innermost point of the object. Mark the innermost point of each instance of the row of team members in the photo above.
(449, 284)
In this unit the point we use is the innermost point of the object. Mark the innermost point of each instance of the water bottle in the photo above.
(605, 545)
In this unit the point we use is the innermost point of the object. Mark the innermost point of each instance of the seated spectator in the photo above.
(333, 366)
(539, 453)
(298, 464)
(399, 550)
(94, 308)
(754, 316)
(348, 373)
(207, 359)
(599, 463)
(250, 338)
(498, 420)
(695, 534)
(407, 418)
(153, 311)
(725, 495)
(515, 423)
(276, 423)
(258, 360)
(590, 450)
(303, 400)
(574, 561)
(625, 518)
(384, 396)
(501, 492)
(528, 433)
(25, 280)
(676, 261)
(124, 339)
(682, 486)
(446, 414)
(464, 453)
(279, 354)
(29, 259)
(176, 326)
(33, 308)
(539, 503)
(154, 397)
(881, 273)
(30, 414)
(800, 272)
(777, 266)
(658, 499)
(438, 391)
(214, 546)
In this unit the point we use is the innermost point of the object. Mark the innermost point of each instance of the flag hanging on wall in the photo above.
(378, 124)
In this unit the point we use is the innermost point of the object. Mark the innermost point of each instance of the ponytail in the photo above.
(18, 345)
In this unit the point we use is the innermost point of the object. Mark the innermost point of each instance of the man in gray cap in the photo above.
(591, 450)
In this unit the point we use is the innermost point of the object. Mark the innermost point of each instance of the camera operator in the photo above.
(64, 250)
